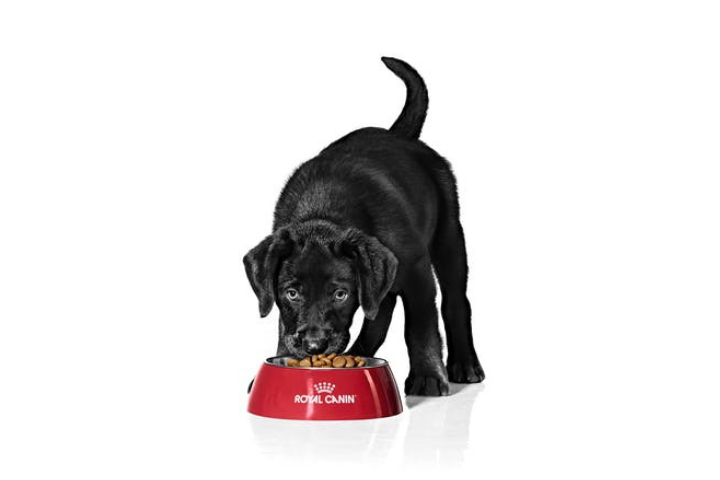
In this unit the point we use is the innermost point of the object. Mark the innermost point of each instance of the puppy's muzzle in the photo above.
(313, 346)
(314, 340)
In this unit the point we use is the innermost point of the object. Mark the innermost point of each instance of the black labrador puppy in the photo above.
(366, 220)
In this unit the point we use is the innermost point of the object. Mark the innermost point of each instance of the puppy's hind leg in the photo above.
(450, 261)
(373, 332)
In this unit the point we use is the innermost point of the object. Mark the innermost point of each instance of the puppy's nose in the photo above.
(315, 345)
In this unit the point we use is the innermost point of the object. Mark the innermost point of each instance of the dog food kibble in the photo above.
(328, 361)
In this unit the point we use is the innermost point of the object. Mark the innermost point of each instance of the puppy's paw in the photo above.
(467, 371)
(427, 385)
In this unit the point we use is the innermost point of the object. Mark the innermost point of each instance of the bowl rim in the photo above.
(372, 362)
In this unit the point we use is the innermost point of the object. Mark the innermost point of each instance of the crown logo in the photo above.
(324, 387)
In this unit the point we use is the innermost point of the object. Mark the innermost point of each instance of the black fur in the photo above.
(372, 215)
(410, 122)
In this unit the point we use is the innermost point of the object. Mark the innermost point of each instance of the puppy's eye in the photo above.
(340, 295)
(292, 295)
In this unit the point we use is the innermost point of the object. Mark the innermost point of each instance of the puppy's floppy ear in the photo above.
(376, 266)
(261, 266)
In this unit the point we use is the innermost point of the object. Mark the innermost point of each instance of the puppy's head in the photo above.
(318, 275)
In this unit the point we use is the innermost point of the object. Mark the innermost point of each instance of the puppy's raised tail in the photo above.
(411, 119)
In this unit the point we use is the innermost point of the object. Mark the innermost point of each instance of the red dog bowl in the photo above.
(299, 393)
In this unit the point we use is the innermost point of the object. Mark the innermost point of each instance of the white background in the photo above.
(142, 147)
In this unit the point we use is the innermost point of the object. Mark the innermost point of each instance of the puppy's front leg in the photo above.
(373, 332)
(282, 351)
(428, 375)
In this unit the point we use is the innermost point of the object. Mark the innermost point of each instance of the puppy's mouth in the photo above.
(337, 344)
